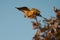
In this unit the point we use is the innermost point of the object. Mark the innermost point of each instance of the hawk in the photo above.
(29, 13)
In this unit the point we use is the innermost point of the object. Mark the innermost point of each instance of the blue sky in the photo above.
(13, 25)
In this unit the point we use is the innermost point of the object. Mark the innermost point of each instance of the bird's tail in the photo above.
(19, 8)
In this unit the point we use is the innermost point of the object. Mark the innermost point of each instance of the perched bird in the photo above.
(30, 13)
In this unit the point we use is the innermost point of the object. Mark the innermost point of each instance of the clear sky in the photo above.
(13, 25)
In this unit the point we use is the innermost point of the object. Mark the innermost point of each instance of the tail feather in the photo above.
(23, 8)
(19, 8)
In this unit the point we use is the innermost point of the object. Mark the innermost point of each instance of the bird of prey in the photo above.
(30, 13)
